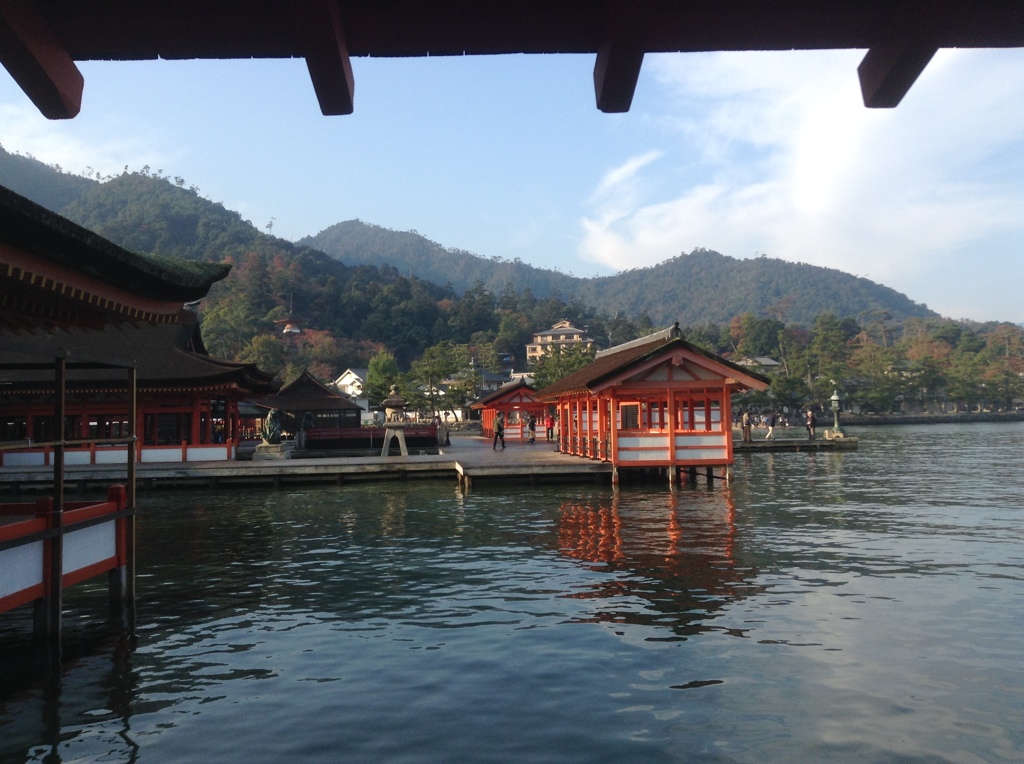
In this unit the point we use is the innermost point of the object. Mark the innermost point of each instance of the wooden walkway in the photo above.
(466, 460)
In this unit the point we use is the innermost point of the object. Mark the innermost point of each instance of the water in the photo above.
(861, 606)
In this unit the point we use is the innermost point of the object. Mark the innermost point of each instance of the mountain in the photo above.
(47, 186)
(150, 213)
(692, 289)
(707, 286)
(357, 243)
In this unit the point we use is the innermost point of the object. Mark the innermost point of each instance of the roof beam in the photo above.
(38, 61)
(319, 24)
(621, 53)
(892, 65)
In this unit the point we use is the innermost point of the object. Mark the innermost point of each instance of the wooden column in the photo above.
(671, 424)
(48, 609)
(614, 427)
(133, 418)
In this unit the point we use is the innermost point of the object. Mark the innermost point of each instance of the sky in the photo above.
(747, 154)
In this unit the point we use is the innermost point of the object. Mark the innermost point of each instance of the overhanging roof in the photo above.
(56, 273)
(40, 40)
(631, 355)
(164, 356)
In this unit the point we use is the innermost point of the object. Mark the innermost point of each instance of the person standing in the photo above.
(549, 425)
(771, 426)
(532, 427)
(745, 425)
(810, 424)
(499, 432)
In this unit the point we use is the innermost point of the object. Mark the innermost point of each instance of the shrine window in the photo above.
(630, 414)
(13, 428)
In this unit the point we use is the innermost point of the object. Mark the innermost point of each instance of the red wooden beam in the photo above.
(319, 26)
(892, 65)
(621, 53)
(38, 61)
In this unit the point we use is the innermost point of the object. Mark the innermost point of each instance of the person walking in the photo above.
(771, 426)
(532, 427)
(499, 432)
(810, 424)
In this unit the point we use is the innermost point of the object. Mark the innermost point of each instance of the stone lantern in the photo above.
(394, 421)
(836, 432)
(394, 406)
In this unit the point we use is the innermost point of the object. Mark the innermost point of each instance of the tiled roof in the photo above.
(616, 360)
(165, 356)
(502, 392)
(306, 393)
(32, 228)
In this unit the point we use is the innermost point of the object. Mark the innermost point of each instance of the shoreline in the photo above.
(862, 420)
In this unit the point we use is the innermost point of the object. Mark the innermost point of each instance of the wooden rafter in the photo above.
(38, 61)
(319, 26)
(892, 65)
(621, 53)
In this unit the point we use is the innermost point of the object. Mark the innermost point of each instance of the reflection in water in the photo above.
(877, 593)
(677, 551)
(92, 692)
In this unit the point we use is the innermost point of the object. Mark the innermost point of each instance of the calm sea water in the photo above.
(863, 606)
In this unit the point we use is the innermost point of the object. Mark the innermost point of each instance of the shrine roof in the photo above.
(503, 392)
(306, 393)
(32, 228)
(166, 356)
(623, 357)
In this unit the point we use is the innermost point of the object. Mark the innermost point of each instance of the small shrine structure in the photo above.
(517, 401)
(656, 402)
(308, 404)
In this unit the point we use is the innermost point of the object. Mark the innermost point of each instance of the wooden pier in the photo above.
(466, 460)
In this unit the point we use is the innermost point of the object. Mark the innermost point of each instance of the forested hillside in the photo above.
(354, 242)
(707, 286)
(882, 351)
(701, 286)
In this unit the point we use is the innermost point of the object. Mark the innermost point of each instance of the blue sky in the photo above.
(742, 153)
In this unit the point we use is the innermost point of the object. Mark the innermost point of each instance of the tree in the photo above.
(381, 374)
(437, 364)
(266, 352)
(561, 363)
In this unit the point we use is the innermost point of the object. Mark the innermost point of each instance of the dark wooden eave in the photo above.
(29, 227)
(165, 356)
(306, 393)
(41, 40)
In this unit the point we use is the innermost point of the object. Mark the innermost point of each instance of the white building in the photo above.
(561, 335)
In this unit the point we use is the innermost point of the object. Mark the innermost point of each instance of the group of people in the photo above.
(531, 428)
(770, 421)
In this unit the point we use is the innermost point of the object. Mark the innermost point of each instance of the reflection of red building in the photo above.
(674, 551)
(655, 402)
(517, 402)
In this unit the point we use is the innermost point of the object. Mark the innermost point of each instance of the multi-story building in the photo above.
(561, 335)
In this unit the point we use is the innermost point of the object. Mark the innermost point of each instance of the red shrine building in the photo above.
(516, 403)
(66, 292)
(100, 363)
(655, 402)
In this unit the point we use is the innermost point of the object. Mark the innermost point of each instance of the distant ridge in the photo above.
(695, 288)
(151, 214)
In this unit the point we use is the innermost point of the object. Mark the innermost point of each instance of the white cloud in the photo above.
(775, 153)
(102, 144)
